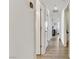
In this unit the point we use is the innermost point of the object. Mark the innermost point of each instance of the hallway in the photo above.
(55, 50)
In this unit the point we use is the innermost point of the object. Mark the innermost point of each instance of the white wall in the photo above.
(58, 27)
(42, 27)
(67, 20)
(22, 28)
(62, 27)
(43, 34)
(66, 26)
(46, 28)
(49, 31)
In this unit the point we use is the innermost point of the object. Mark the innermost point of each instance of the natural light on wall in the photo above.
(46, 25)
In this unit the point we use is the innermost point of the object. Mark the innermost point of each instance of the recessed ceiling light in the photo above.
(55, 9)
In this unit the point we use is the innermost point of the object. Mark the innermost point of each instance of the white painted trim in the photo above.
(37, 27)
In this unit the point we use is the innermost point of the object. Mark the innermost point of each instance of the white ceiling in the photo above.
(50, 4)
(61, 4)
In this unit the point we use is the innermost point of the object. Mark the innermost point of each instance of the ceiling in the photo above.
(50, 4)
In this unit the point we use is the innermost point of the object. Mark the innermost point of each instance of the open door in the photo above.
(66, 25)
(42, 31)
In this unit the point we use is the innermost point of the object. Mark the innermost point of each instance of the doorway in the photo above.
(48, 45)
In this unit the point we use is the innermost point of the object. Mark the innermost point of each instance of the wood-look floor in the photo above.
(55, 50)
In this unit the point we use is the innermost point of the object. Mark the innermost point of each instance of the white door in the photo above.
(43, 42)
(22, 30)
